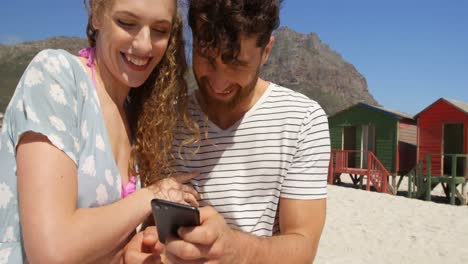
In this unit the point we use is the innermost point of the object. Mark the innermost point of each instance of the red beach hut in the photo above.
(442, 128)
(443, 148)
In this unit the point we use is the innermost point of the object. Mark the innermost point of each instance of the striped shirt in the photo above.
(279, 149)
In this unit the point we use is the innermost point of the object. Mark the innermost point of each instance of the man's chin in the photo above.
(220, 104)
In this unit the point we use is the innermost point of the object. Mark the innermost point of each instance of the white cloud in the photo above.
(5, 255)
(89, 166)
(100, 143)
(57, 93)
(5, 195)
(53, 65)
(64, 61)
(109, 177)
(9, 235)
(84, 130)
(101, 195)
(32, 115)
(84, 89)
(57, 123)
(33, 77)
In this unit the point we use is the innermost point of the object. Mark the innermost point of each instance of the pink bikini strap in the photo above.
(89, 54)
(130, 187)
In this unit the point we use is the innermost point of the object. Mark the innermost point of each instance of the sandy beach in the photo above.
(370, 227)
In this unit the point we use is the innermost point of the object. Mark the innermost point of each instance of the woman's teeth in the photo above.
(137, 61)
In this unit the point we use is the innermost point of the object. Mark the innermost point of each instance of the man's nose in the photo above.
(218, 82)
(218, 77)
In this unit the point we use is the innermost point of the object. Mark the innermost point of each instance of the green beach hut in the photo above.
(390, 135)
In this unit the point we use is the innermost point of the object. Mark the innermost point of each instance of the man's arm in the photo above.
(301, 224)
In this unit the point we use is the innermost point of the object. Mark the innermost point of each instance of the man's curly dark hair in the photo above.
(218, 24)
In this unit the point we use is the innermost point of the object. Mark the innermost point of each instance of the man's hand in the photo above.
(202, 244)
(301, 224)
(144, 248)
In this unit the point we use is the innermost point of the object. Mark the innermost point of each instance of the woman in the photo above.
(74, 130)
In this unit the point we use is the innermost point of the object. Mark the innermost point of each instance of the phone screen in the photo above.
(169, 216)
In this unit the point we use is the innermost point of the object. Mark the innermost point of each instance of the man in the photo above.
(264, 164)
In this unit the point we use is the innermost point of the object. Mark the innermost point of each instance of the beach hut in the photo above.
(364, 130)
(443, 144)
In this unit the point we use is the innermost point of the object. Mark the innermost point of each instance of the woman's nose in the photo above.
(142, 41)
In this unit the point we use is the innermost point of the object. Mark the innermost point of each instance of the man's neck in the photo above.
(226, 117)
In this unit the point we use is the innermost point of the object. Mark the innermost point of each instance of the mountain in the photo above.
(305, 64)
(297, 61)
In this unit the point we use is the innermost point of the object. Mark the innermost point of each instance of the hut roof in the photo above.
(457, 104)
(393, 113)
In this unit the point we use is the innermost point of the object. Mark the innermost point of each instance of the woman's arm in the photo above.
(53, 228)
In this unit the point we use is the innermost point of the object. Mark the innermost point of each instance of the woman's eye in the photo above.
(160, 30)
(124, 23)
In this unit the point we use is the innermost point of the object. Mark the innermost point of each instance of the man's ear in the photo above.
(267, 50)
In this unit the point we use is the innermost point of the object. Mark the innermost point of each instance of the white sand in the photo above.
(370, 227)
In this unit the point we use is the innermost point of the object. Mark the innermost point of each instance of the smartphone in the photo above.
(169, 216)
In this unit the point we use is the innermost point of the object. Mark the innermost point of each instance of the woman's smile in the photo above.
(135, 62)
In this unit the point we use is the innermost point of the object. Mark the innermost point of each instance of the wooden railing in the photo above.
(432, 170)
(376, 173)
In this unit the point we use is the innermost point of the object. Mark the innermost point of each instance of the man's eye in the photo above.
(237, 65)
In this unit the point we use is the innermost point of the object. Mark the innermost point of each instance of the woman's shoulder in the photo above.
(55, 65)
(51, 74)
(51, 58)
(54, 52)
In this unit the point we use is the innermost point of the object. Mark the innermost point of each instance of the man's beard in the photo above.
(213, 104)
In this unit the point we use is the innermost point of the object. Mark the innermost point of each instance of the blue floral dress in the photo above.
(55, 97)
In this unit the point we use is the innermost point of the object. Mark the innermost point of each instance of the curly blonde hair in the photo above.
(158, 106)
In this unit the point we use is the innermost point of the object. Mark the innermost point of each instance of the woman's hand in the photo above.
(174, 189)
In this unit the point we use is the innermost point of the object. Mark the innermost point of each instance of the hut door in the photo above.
(368, 142)
(454, 144)
(349, 143)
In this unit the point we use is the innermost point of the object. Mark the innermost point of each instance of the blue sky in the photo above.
(411, 52)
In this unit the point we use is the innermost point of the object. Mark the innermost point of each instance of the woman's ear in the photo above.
(95, 22)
